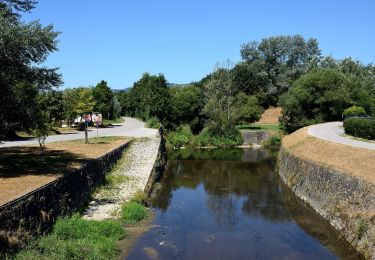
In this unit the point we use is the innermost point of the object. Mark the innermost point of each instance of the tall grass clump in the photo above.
(133, 212)
(76, 238)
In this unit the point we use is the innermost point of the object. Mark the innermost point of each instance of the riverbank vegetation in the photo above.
(76, 238)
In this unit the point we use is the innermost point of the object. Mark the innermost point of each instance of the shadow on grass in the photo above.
(20, 161)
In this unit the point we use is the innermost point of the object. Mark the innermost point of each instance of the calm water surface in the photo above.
(230, 204)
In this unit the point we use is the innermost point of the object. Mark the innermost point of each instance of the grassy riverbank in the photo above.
(77, 238)
(74, 237)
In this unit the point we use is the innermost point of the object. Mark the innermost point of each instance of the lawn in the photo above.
(273, 127)
(23, 169)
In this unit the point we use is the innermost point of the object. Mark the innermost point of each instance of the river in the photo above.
(230, 204)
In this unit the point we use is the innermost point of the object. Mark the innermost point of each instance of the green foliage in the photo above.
(226, 105)
(354, 111)
(153, 122)
(133, 212)
(273, 140)
(103, 98)
(187, 103)
(148, 98)
(75, 238)
(44, 127)
(181, 137)
(23, 46)
(77, 101)
(230, 138)
(361, 229)
(271, 66)
(360, 127)
(52, 103)
(316, 97)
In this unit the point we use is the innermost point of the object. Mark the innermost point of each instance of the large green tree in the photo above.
(187, 104)
(23, 48)
(271, 66)
(77, 101)
(320, 96)
(226, 105)
(149, 97)
(103, 97)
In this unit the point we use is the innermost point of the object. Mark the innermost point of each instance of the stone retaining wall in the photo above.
(36, 212)
(159, 165)
(346, 202)
(255, 137)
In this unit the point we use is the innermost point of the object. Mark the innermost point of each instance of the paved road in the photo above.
(333, 132)
(131, 127)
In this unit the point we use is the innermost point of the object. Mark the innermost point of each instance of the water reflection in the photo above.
(230, 205)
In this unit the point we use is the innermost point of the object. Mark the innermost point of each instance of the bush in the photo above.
(274, 140)
(360, 127)
(133, 212)
(182, 136)
(153, 122)
(354, 111)
(232, 137)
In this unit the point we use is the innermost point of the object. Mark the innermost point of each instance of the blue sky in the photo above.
(118, 40)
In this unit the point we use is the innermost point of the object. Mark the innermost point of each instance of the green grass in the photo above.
(76, 238)
(258, 127)
(133, 212)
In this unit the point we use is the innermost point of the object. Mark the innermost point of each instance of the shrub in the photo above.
(133, 212)
(360, 127)
(231, 137)
(153, 122)
(182, 136)
(354, 111)
(274, 140)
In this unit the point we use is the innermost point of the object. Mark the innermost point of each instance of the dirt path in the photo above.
(136, 168)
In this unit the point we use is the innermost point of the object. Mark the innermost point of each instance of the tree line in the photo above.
(286, 71)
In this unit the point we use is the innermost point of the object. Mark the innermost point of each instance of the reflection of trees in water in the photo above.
(221, 179)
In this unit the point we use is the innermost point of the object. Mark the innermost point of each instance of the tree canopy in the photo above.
(270, 67)
(103, 97)
(23, 47)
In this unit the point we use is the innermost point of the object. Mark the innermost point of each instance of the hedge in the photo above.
(354, 111)
(360, 127)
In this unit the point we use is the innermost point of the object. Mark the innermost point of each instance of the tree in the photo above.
(187, 105)
(23, 46)
(103, 97)
(148, 98)
(274, 64)
(226, 105)
(52, 103)
(77, 101)
(320, 96)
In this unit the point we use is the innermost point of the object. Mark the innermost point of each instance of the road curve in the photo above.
(131, 127)
(333, 132)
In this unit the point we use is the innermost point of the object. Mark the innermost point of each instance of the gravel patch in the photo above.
(134, 169)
